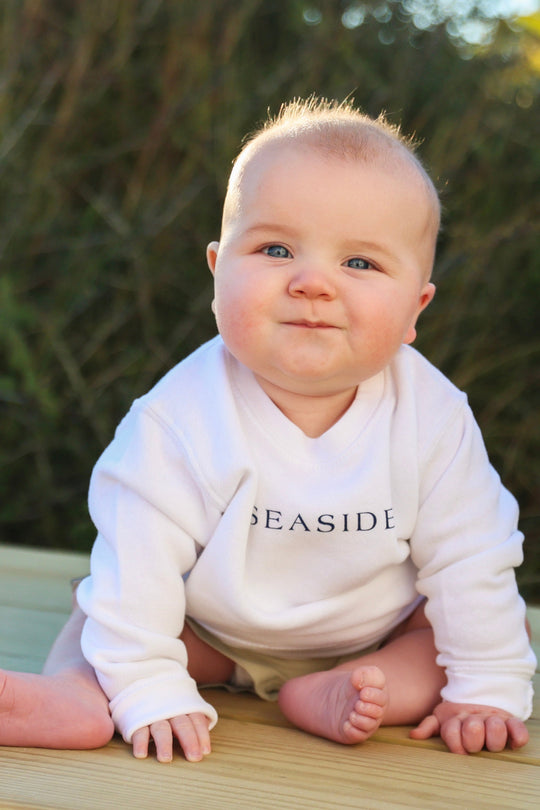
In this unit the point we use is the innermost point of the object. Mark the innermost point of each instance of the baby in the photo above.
(304, 506)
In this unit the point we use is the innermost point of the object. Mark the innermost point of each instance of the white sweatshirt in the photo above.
(210, 502)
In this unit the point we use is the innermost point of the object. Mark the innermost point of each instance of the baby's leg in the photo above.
(396, 685)
(64, 707)
(205, 664)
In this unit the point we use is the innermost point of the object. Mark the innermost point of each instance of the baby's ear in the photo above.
(211, 256)
(427, 295)
(425, 299)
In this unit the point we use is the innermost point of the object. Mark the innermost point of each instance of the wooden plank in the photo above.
(39, 579)
(259, 759)
(35, 600)
(255, 766)
(58, 564)
(28, 629)
(249, 709)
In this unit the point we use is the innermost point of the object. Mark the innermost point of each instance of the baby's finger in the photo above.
(163, 740)
(517, 732)
(139, 741)
(193, 735)
(201, 723)
(451, 735)
(429, 727)
(496, 733)
(473, 733)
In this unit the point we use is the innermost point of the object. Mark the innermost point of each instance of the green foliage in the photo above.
(119, 121)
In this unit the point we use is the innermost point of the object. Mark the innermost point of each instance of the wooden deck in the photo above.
(259, 760)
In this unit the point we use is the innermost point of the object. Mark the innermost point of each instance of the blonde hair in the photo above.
(339, 130)
(338, 127)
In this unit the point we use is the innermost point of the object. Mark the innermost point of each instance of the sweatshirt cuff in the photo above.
(151, 700)
(510, 694)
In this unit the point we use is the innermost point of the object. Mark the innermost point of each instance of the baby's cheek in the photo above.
(238, 328)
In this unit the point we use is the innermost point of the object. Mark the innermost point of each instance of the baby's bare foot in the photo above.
(342, 705)
(66, 710)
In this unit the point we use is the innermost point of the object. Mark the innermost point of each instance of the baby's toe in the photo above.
(370, 695)
(369, 709)
(364, 677)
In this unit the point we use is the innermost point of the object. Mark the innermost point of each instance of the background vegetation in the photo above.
(119, 121)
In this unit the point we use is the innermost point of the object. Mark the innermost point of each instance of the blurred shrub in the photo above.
(119, 121)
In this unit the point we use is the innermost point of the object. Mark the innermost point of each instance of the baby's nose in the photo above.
(312, 282)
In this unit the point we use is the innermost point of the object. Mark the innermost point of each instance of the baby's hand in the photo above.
(467, 728)
(191, 731)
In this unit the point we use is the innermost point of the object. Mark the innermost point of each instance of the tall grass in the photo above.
(119, 121)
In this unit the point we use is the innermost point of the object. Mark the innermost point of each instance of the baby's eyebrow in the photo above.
(360, 246)
(269, 227)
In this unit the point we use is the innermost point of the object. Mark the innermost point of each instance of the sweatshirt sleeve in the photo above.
(149, 512)
(466, 546)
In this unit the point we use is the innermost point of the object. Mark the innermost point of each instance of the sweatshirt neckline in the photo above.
(284, 433)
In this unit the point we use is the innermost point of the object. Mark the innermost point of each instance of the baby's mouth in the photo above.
(306, 324)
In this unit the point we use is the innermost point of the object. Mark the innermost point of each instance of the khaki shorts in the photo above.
(266, 674)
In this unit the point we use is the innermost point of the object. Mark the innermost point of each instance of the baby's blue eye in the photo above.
(277, 252)
(358, 264)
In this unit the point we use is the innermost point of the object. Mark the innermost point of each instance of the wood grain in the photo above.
(259, 760)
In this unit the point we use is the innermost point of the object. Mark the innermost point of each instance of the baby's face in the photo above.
(322, 269)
